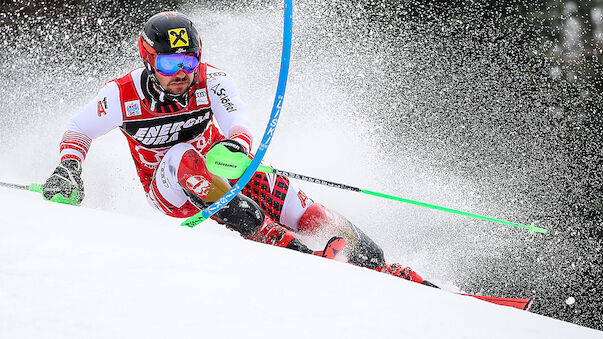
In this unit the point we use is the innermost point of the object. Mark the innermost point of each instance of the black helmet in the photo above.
(167, 33)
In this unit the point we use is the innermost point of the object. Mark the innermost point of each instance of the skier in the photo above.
(169, 112)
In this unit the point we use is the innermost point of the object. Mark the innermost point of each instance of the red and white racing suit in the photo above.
(165, 134)
(160, 131)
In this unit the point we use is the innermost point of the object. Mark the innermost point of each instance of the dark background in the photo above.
(499, 92)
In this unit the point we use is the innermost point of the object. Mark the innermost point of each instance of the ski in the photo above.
(522, 304)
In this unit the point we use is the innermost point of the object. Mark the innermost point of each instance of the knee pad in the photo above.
(319, 219)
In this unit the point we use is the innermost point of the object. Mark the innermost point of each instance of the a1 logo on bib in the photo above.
(178, 37)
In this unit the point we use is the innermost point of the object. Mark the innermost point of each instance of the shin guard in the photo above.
(203, 188)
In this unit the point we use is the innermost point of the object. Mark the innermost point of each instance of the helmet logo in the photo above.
(146, 39)
(178, 37)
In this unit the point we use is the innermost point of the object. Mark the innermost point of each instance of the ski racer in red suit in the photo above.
(172, 112)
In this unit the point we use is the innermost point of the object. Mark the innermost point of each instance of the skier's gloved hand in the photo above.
(227, 158)
(65, 185)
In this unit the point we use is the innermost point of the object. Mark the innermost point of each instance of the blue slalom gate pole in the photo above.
(270, 128)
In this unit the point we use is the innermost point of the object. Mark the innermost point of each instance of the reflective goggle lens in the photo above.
(170, 64)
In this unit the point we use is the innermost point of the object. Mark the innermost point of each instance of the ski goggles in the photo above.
(170, 64)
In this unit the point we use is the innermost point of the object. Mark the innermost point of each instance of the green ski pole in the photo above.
(224, 163)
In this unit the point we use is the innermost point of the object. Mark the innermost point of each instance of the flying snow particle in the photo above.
(570, 300)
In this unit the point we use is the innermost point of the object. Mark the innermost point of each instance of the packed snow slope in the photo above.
(76, 272)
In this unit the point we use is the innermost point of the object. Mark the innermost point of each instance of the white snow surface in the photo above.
(109, 275)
